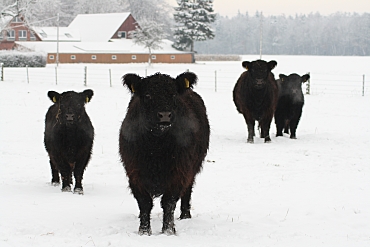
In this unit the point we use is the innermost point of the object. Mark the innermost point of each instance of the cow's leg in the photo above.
(79, 168)
(185, 203)
(168, 203)
(66, 173)
(294, 121)
(265, 126)
(145, 203)
(55, 180)
(279, 121)
(250, 126)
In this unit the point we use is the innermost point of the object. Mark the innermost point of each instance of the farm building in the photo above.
(106, 42)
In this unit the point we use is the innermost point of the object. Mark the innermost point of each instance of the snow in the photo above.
(313, 191)
(98, 27)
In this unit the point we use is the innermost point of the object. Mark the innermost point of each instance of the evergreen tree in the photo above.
(193, 18)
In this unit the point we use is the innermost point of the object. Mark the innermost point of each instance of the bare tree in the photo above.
(149, 34)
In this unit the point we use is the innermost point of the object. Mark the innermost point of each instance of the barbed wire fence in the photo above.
(217, 80)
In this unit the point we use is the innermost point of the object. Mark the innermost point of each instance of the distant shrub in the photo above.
(22, 59)
(218, 57)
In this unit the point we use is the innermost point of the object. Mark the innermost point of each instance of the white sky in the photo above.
(287, 7)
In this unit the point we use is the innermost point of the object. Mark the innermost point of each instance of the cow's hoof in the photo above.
(250, 141)
(185, 215)
(78, 191)
(169, 231)
(293, 137)
(55, 184)
(267, 139)
(145, 231)
(67, 189)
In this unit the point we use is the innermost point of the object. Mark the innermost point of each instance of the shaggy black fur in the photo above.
(68, 137)
(255, 96)
(163, 141)
(290, 103)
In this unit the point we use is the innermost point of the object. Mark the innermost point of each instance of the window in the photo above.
(154, 57)
(172, 57)
(121, 34)
(114, 57)
(22, 35)
(17, 19)
(73, 57)
(11, 35)
(93, 57)
(133, 57)
(51, 57)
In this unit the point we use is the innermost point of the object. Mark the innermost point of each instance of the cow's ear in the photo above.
(88, 93)
(283, 77)
(54, 96)
(246, 65)
(272, 64)
(305, 78)
(132, 82)
(185, 81)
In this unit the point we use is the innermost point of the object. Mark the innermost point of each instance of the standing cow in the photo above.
(255, 96)
(290, 103)
(163, 141)
(68, 137)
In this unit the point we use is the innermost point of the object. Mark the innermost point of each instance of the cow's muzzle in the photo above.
(164, 116)
(70, 117)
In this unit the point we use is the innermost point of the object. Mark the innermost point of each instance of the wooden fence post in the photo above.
(2, 72)
(85, 76)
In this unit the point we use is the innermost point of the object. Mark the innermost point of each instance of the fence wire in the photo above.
(217, 79)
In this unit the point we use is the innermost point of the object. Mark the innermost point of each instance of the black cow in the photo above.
(68, 137)
(163, 141)
(290, 103)
(255, 96)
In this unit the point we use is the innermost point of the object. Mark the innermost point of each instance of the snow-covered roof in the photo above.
(124, 46)
(98, 27)
(50, 33)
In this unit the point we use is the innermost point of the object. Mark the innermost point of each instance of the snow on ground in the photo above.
(313, 191)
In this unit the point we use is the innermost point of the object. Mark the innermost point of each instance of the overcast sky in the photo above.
(287, 7)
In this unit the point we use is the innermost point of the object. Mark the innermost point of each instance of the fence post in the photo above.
(28, 78)
(363, 85)
(215, 80)
(2, 71)
(308, 85)
(56, 75)
(85, 76)
(110, 77)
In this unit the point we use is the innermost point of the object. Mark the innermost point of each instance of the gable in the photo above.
(99, 27)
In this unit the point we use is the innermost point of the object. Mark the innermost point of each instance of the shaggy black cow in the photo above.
(255, 96)
(68, 137)
(290, 103)
(163, 141)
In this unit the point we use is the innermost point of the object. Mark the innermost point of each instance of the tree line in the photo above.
(339, 34)
(313, 34)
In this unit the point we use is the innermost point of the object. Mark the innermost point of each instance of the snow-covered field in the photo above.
(313, 191)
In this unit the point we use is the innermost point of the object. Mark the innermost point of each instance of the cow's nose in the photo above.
(70, 117)
(259, 81)
(164, 116)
